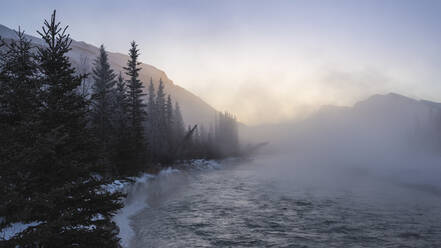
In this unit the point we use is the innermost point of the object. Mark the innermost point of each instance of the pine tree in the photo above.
(169, 112)
(169, 125)
(103, 96)
(179, 122)
(152, 125)
(162, 142)
(120, 104)
(120, 152)
(178, 129)
(151, 105)
(160, 103)
(58, 190)
(135, 106)
(19, 86)
(19, 107)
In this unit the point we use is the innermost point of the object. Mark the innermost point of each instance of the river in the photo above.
(263, 203)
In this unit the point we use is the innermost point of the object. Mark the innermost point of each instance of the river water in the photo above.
(265, 204)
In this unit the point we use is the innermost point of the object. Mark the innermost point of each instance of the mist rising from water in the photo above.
(386, 136)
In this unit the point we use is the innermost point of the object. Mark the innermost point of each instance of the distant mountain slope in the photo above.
(375, 124)
(82, 55)
(389, 137)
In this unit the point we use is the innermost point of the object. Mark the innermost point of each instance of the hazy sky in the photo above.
(265, 60)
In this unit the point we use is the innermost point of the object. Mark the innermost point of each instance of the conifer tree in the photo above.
(120, 104)
(152, 126)
(120, 151)
(160, 103)
(59, 193)
(152, 100)
(19, 125)
(169, 111)
(135, 106)
(169, 124)
(162, 142)
(178, 126)
(19, 85)
(103, 96)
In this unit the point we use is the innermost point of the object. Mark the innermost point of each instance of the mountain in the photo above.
(82, 56)
(378, 125)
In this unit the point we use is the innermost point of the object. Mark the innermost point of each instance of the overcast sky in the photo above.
(266, 61)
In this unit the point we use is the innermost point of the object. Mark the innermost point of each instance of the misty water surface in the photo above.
(274, 203)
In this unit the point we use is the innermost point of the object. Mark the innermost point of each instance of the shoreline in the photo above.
(132, 204)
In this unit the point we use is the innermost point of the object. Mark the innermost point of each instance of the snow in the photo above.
(15, 228)
(204, 164)
(167, 171)
(134, 202)
(117, 185)
(122, 219)
(137, 198)
(132, 205)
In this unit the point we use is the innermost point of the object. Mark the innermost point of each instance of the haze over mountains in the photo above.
(389, 120)
(82, 56)
(389, 139)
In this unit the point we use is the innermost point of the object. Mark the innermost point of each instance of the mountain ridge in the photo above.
(83, 54)
(389, 113)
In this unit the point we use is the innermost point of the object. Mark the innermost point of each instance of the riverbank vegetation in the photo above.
(60, 145)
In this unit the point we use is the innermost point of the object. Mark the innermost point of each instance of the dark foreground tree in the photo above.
(58, 191)
(19, 124)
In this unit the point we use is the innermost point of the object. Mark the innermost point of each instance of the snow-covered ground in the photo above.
(9, 232)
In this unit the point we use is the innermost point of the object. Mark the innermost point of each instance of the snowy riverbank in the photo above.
(135, 202)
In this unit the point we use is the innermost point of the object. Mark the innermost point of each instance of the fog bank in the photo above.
(389, 136)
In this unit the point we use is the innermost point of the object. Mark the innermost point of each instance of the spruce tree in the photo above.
(162, 142)
(120, 104)
(178, 131)
(178, 122)
(135, 106)
(19, 148)
(169, 112)
(103, 96)
(120, 150)
(169, 124)
(60, 193)
(151, 104)
(152, 125)
(160, 104)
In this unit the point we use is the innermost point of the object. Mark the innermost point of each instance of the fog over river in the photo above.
(270, 202)
(366, 176)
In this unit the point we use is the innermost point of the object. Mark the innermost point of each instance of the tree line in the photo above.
(60, 147)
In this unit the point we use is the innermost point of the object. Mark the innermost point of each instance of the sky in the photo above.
(265, 61)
